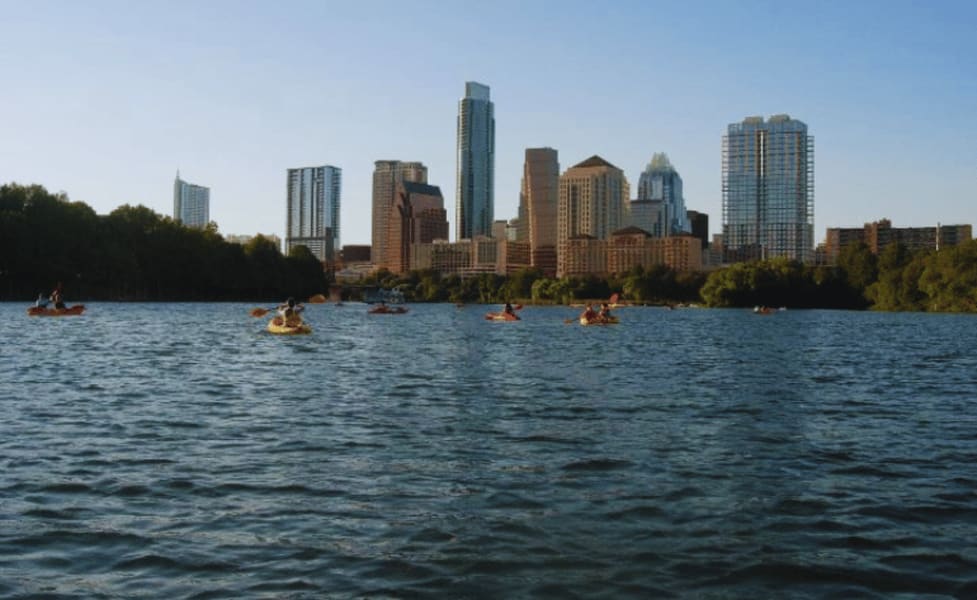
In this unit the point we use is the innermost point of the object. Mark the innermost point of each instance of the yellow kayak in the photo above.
(612, 320)
(277, 327)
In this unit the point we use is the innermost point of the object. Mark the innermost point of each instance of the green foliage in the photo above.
(134, 253)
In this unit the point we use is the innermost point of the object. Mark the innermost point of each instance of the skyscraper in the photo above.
(539, 200)
(387, 174)
(191, 203)
(593, 202)
(768, 190)
(312, 213)
(475, 194)
(417, 217)
(660, 182)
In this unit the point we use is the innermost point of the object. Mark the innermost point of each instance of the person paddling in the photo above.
(508, 309)
(589, 313)
(57, 296)
(289, 312)
(605, 312)
(41, 301)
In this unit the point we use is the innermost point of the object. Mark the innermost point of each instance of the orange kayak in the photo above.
(41, 311)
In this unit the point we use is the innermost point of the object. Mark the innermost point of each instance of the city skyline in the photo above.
(886, 87)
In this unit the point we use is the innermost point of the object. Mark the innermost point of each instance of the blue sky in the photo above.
(106, 100)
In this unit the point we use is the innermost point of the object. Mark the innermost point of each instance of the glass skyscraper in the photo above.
(191, 203)
(475, 194)
(768, 190)
(661, 183)
(312, 213)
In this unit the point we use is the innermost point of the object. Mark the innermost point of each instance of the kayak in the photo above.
(40, 311)
(387, 310)
(277, 327)
(612, 320)
(501, 316)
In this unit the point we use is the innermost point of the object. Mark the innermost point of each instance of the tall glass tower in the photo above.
(661, 183)
(768, 190)
(475, 194)
(191, 203)
(312, 213)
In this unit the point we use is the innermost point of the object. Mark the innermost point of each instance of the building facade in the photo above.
(660, 182)
(475, 193)
(387, 174)
(191, 203)
(539, 200)
(699, 223)
(418, 217)
(628, 248)
(881, 234)
(768, 190)
(312, 211)
(593, 202)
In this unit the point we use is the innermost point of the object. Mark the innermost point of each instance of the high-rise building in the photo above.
(660, 182)
(387, 175)
(593, 202)
(191, 203)
(418, 217)
(475, 194)
(768, 190)
(539, 200)
(699, 222)
(312, 212)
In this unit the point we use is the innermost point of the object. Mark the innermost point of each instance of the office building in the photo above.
(593, 202)
(768, 190)
(662, 184)
(475, 193)
(387, 175)
(699, 222)
(881, 234)
(191, 203)
(418, 217)
(539, 200)
(312, 211)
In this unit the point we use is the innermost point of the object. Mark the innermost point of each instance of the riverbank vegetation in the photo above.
(134, 253)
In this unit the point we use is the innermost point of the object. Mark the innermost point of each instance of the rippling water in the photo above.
(179, 451)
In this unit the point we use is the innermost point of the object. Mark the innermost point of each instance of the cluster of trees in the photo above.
(134, 253)
(894, 280)
(658, 285)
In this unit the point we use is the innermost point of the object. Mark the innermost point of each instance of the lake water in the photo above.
(180, 451)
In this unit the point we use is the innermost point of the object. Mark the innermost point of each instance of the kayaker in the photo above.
(57, 296)
(508, 309)
(289, 312)
(41, 301)
(589, 313)
(605, 312)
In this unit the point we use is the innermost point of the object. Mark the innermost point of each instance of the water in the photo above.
(179, 451)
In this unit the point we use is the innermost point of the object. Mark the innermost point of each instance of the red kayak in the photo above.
(501, 316)
(40, 311)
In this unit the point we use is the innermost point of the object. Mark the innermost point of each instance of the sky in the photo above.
(106, 100)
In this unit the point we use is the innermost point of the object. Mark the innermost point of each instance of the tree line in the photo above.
(133, 253)
(896, 279)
